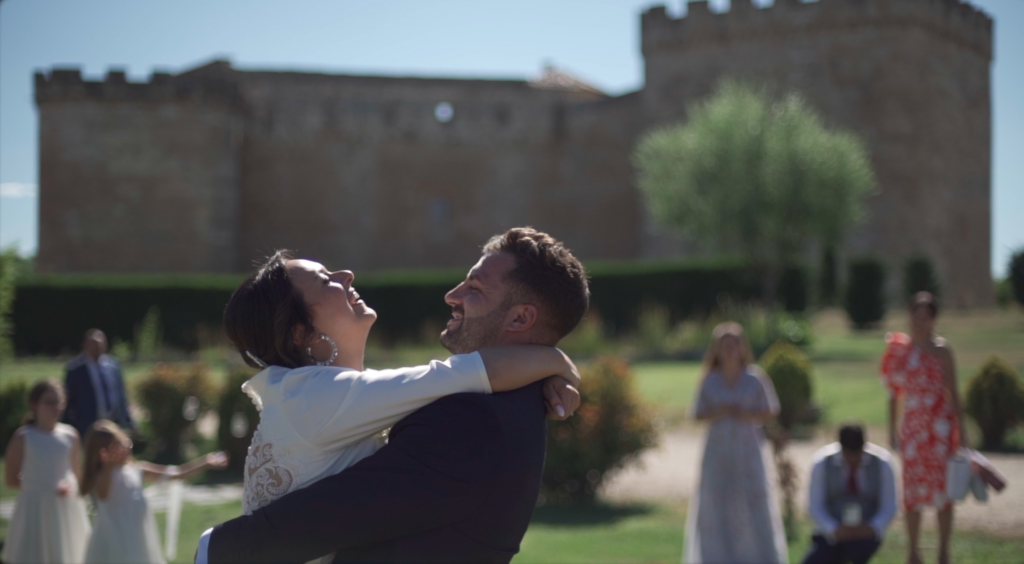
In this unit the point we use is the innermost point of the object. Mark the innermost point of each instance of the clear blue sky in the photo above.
(598, 40)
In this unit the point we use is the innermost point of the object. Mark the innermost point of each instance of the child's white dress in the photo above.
(125, 530)
(316, 421)
(46, 528)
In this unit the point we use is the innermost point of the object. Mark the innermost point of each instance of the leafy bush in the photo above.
(691, 338)
(148, 335)
(1004, 293)
(588, 339)
(1017, 275)
(793, 291)
(653, 329)
(610, 429)
(995, 400)
(919, 276)
(13, 409)
(238, 419)
(790, 371)
(865, 292)
(175, 396)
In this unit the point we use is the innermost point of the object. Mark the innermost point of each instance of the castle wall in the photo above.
(134, 179)
(910, 76)
(358, 172)
(214, 168)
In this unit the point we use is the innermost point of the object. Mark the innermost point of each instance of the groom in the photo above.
(458, 479)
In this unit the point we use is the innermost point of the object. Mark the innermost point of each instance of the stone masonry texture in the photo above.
(213, 168)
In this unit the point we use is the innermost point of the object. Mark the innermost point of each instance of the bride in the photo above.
(320, 410)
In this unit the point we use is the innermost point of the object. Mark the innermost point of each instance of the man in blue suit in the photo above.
(95, 386)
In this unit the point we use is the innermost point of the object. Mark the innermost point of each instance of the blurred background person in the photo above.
(852, 499)
(734, 517)
(125, 527)
(95, 386)
(50, 523)
(926, 422)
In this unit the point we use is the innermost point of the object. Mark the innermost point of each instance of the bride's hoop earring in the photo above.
(334, 351)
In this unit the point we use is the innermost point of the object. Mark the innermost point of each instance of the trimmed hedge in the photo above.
(995, 400)
(793, 290)
(865, 293)
(51, 313)
(919, 276)
(790, 372)
(1016, 275)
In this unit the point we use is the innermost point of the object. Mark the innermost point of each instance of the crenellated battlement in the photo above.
(954, 19)
(67, 84)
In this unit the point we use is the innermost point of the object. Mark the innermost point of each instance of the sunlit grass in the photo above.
(845, 363)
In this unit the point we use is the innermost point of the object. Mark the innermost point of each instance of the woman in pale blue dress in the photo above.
(734, 516)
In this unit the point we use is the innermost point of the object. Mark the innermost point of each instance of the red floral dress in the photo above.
(929, 431)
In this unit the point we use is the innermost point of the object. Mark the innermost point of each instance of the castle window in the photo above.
(444, 112)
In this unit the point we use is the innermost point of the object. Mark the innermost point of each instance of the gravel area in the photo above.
(671, 471)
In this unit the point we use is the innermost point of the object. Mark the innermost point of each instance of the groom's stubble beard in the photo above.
(475, 333)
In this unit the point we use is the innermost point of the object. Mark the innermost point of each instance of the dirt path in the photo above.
(671, 471)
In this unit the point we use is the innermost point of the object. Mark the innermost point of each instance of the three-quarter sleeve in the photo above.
(332, 411)
(766, 400)
(893, 359)
(704, 401)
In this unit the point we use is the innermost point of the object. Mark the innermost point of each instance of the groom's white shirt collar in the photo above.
(204, 546)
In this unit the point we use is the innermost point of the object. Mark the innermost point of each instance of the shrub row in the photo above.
(51, 314)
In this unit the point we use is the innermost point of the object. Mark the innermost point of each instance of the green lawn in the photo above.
(654, 533)
(621, 534)
(845, 362)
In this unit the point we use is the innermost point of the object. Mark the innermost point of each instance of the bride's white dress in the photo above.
(316, 421)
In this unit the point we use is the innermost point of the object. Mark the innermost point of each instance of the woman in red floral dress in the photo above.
(920, 373)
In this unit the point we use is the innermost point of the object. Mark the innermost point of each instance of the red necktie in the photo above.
(851, 481)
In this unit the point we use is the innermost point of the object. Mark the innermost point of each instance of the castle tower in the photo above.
(912, 77)
(138, 177)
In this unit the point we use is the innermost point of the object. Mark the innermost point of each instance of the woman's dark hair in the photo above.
(262, 314)
(925, 299)
(36, 393)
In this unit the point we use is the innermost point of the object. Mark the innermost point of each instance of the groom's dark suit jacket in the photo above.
(457, 482)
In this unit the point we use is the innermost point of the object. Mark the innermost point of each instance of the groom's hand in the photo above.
(561, 397)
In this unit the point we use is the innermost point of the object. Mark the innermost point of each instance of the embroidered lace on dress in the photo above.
(266, 479)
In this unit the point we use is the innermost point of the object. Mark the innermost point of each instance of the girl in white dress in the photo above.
(321, 410)
(125, 528)
(50, 523)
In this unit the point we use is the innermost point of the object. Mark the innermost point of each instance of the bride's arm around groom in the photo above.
(459, 478)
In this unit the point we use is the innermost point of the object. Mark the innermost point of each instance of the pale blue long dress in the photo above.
(734, 516)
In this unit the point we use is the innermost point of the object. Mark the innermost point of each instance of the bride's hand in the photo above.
(561, 397)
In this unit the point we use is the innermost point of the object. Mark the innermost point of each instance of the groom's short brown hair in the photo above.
(547, 274)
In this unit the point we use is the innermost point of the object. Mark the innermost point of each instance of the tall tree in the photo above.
(755, 173)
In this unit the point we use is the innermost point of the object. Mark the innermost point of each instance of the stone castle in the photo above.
(209, 169)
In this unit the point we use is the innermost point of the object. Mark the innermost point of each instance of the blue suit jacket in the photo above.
(457, 482)
(82, 410)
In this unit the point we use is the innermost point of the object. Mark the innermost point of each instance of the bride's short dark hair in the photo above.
(263, 313)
